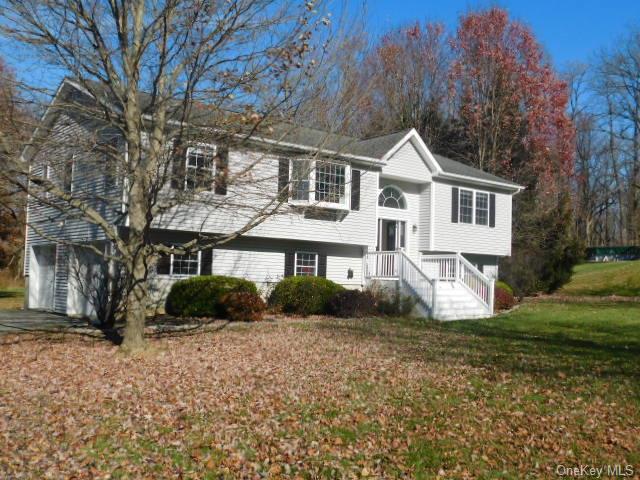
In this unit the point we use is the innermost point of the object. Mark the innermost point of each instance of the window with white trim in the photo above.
(331, 181)
(328, 181)
(482, 208)
(187, 264)
(466, 206)
(300, 182)
(306, 264)
(200, 169)
(391, 197)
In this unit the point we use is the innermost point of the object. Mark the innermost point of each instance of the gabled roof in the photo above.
(375, 150)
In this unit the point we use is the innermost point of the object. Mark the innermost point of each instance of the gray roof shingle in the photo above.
(457, 168)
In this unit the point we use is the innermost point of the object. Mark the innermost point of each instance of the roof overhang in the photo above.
(420, 146)
(514, 189)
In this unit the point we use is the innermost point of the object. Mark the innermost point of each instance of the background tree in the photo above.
(13, 132)
(163, 75)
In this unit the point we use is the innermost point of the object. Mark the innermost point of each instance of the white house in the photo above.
(385, 209)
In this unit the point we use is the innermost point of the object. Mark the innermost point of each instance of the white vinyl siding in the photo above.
(77, 172)
(406, 164)
(242, 200)
(469, 238)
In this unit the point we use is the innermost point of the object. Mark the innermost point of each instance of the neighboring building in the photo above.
(384, 208)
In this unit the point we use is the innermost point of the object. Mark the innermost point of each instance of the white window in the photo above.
(482, 208)
(391, 197)
(200, 169)
(306, 264)
(300, 182)
(188, 264)
(466, 206)
(328, 181)
(331, 180)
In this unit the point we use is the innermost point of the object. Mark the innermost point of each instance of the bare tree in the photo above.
(156, 78)
(618, 85)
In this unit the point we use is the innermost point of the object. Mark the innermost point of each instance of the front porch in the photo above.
(447, 287)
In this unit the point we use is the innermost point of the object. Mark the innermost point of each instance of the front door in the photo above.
(391, 235)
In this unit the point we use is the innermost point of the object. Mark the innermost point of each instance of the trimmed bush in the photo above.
(303, 295)
(200, 296)
(243, 306)
(504, 286)
(503, 299)
(352, 303)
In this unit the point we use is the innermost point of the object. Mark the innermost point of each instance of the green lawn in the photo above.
(555, 381)
(615, 278)
(11, 298)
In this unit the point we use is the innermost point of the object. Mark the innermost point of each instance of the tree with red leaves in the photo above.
(513, 108)
(511, 101)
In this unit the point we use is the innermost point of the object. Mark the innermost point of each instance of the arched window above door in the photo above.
(392, 197)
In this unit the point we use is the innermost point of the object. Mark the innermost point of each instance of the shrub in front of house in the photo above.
(200, 296)
(303, 295)
(242, 306)
(503, 300)
(504, 286)
(352, 303)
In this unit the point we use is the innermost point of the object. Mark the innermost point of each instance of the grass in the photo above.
(11, 298)
(615, 278)
(11, 291)
(551, 382)
(508, 397)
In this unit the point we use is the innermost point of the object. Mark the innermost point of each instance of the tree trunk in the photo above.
(136, 309)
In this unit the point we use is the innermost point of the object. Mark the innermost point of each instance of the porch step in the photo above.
(456, 302)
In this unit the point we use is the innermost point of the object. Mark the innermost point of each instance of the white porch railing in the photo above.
(381, 265)
(454, 267)
(397, 265)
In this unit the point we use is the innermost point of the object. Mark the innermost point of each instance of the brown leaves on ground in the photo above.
(297, 399)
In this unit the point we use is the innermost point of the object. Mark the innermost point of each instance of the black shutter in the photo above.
(355, 189)
(163, 267)
(289, 259)
(206, 261)
(283, 179)
(454, 205)
(492, 210)
(178, 170)
(322, 265)
(222, 171)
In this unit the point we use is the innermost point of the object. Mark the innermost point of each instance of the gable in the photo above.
(407, 164)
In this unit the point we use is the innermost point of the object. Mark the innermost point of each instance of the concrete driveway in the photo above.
(16, 321)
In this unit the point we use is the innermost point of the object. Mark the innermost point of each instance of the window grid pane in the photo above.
(466, 206)
(185, 264)
(306, 264)
(199, 169)
(300, 184)
(330, 182)
(391, 197)
(482, 208)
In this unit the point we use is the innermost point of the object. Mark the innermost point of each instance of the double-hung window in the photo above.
(318, 182)
(300, 180)
(466, 206)
(186, 265)
(306, 264)
(482, 208)
(199, 169)
(331, 180)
